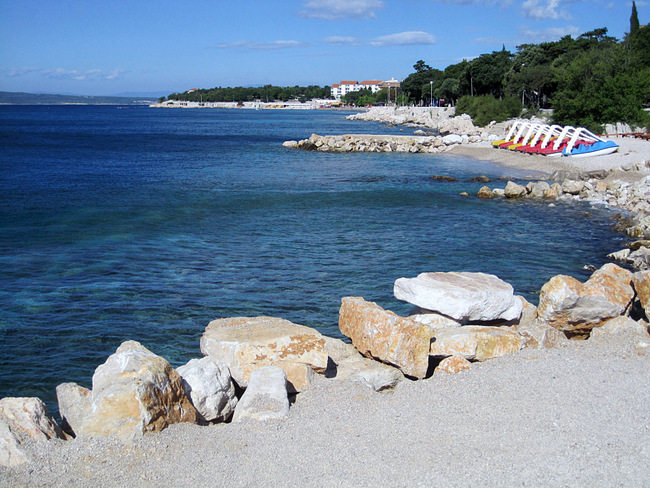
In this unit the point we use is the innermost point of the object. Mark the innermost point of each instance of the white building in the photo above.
(339, 90)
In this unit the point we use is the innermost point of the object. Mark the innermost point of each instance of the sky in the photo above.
(112, 47)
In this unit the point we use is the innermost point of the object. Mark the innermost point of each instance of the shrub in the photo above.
(485, 109)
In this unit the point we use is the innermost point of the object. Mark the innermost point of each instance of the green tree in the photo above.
(417, 86)
(634, 20)
(597, 88)
(353, 98)
(420, 66)
(487, 73)
(449, 90)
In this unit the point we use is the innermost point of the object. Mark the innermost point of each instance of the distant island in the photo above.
(20, 98)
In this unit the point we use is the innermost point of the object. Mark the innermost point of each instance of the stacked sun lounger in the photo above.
(554, 140)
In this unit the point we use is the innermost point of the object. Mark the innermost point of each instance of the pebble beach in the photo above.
(575, 415)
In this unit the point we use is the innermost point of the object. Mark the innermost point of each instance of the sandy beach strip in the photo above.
(573, 416)
(631, 151)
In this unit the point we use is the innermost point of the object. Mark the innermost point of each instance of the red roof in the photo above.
(370, 82)
(349, 82)
(335, 85)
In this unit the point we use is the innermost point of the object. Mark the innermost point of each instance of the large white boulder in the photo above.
(266, 397)
(463, 296)
(210, 388)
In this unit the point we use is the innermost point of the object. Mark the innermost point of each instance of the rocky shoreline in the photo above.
(255, 368)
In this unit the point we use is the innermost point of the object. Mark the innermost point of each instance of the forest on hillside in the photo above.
(588, 81)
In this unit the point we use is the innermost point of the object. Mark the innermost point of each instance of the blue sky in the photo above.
(107, 47)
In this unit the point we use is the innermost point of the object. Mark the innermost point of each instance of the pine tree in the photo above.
(634, 20)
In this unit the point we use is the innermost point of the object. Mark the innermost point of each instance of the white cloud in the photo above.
(409, 38)
(342, 40)
(550, 34)
(262, 46)
(68, 74)
(544, 9)
(340, 9)
(500, 3)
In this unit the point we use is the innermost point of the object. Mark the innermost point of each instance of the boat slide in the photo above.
(554, 140)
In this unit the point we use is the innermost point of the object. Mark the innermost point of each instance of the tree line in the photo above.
(266, 93)
(588, 81)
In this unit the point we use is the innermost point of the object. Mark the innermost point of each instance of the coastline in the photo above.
(568, 416)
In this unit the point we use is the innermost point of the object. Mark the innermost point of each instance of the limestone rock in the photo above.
(21, 420)
(573, 307)
(434, 321)
(245, 344)
(381, 334)
(553, 192)
(535, 333)
(134, 392)
(513, 190)
(573, 187)
(621, 255)
(462, 296)
(538, 189)
(210, 388)
(452, 139)
(28, 418)
(453, 364)
(485, 192)
(475, 342)
(641, 280)
(10, 452)
(75, 403)
(462, 125)
(352, 366)
(619, 326)
(266, 397)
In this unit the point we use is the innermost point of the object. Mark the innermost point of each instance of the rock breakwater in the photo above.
(382, 143)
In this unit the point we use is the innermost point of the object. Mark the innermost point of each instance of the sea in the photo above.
(138, 223)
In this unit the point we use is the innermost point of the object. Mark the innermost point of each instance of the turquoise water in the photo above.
(147, 224)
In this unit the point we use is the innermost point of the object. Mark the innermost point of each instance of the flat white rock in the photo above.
(463, 296)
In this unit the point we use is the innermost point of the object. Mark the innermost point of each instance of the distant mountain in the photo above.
(19, 98)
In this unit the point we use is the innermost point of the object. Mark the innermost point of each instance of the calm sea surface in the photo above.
(147, 224)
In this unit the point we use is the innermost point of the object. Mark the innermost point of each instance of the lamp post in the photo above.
(431, 99)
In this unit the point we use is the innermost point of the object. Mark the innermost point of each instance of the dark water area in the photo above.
(147, 224)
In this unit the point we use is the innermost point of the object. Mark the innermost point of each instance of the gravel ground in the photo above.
(575, 416)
